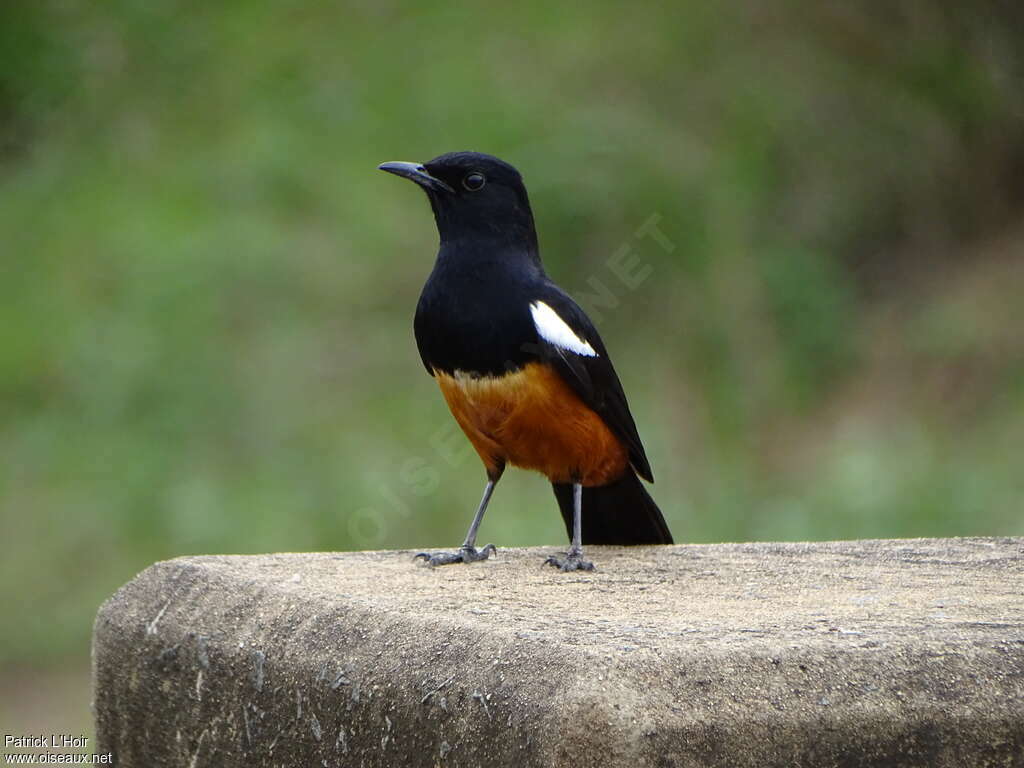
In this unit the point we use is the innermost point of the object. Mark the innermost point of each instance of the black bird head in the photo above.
(477, 199)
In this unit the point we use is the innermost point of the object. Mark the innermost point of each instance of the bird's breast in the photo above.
(474, 311)
(532, 419)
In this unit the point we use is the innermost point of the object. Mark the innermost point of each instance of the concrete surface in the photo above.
(894, 653)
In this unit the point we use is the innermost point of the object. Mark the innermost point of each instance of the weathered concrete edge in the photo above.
(168, 627)
(279, 703)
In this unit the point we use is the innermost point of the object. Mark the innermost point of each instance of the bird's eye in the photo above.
(474, 181)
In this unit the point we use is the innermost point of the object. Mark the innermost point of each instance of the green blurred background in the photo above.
(206, 288)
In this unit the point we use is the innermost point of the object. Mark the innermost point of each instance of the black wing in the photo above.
(593, 378)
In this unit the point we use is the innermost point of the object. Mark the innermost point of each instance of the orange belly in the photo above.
(532, 419)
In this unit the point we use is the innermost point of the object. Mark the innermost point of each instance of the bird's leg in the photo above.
(468, 552)
(573, 559)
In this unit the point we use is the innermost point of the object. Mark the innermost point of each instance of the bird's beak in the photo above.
(416, 172)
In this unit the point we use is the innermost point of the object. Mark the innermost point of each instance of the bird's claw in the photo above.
(464, 555)
(570, 561)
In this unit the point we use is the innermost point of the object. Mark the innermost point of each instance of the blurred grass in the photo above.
(206, 289)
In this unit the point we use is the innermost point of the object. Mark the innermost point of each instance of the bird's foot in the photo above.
(464, 555)
(570, 561)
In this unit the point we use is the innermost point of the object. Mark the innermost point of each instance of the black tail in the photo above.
(618, 513)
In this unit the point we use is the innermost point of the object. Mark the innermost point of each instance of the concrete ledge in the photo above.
(896, 653)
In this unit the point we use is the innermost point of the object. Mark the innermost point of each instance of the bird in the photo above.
(521, 366)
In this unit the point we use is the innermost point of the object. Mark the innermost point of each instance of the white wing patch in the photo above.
(555, 331)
